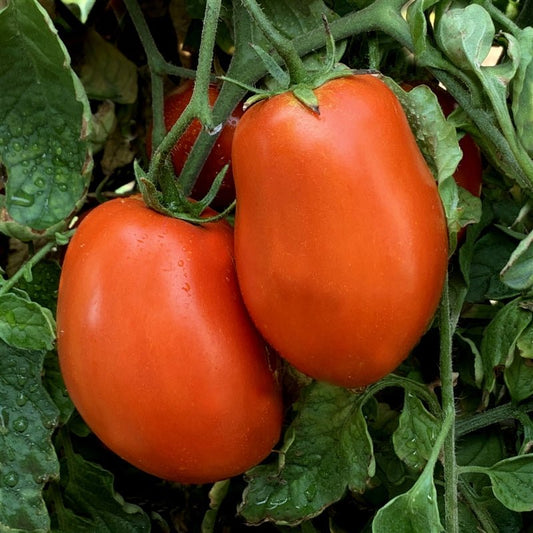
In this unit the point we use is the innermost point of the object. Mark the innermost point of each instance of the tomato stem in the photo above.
(284, 47)
(448, 403)
(25, 269)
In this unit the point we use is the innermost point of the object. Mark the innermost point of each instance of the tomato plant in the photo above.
(334, 222)
(174, 105)
(470, 169)
(156, 349)
(341, 242)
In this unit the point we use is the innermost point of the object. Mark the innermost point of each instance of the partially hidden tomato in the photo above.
(156, 347)
(174, 105)
(340, 235)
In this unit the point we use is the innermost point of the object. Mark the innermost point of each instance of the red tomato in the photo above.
(156, 348)
(340, 237)
(175, 104)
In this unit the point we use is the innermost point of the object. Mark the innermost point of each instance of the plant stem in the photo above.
(484, 517)
(158, 68)
(413, 386)
(198, 108)
(448, 403)
(27, 266)
(490, 417)
(283, 46)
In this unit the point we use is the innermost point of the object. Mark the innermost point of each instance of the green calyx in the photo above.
(297, 78)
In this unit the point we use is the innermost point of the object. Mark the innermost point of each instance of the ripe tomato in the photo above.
(340, 237)
(156, 348)
(175, 104)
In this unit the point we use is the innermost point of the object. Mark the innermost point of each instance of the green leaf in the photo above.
(55, 386)
(466, 36)
(217, 494)
(522, 91)
(412, 512)
(27, 457)
(44, 115)
(417, 431)
(43, 286)
(500, 337)
(518, 272)
(25, 324)
(82, 8)
(490, 254)
(525, 343)
(327, 449)
(512, 482)
(106, 73)
(438, 141)
(518, 378)
(89, 503)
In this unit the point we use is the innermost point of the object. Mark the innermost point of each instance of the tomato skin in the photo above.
(340, 237)
(174, 105)
(156, 348)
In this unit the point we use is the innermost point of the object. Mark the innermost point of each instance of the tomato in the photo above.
(340, 237)
(220, 155)
(156, 348)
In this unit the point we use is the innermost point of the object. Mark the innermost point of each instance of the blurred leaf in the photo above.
(25, 324)
(416, 433)
(327, 449)
(44, 115)
(106, 73)
(27, 457)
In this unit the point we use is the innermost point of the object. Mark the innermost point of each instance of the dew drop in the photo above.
(186, 287)
(62, 187)
(180, 263)
(11, 479)
(21, 399)
(40, 182)
(22, 199)
(50, 423)
(17, 147)
(20, 424)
